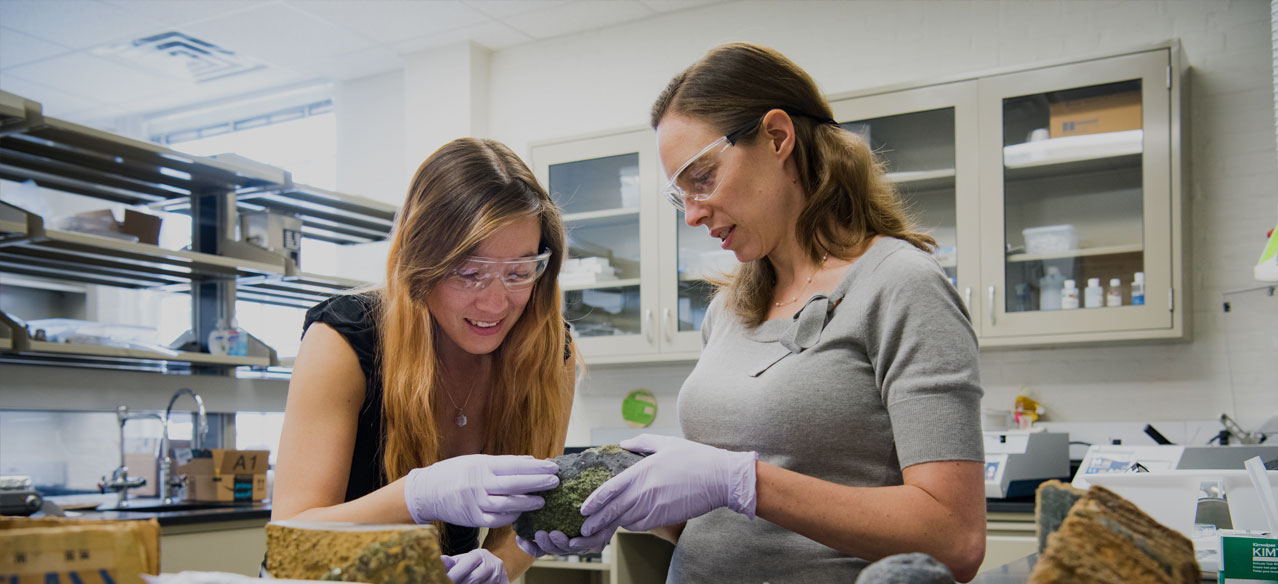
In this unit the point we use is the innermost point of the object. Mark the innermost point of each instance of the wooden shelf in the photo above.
(1074, 253)
(628, 282)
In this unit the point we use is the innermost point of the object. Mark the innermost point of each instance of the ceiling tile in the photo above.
(578, 16)
(74, 23)
(493, 35)
(261, 81)
(55, 103)
(17, 48)
(177, 13)
(507, 8)
(82, 73)
(389, 21)
(353, 65)
(278, 34)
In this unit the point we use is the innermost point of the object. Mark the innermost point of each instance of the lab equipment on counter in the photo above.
(18, 496)
(1190, 502)
(1117, 458)
(1017, 461)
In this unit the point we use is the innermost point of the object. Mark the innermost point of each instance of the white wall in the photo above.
(607, 79)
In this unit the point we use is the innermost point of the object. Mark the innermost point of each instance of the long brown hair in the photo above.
(460, 196)
(848, 200)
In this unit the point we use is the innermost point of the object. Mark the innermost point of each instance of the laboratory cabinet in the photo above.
(1027, 178)
(634, 282)
(1054, 192)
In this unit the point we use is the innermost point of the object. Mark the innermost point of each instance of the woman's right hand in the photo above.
(478, 490)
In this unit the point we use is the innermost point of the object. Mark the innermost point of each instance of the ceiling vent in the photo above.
(176, 55)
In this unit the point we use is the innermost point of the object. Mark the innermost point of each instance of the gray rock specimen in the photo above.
(579, 475)
(913, 568)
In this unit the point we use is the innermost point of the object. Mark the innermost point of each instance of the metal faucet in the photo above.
(169, 483)
(120, 481)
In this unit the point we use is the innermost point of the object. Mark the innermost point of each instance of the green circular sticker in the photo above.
(639, 408)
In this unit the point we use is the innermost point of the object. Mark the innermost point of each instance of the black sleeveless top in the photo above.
(354, 316)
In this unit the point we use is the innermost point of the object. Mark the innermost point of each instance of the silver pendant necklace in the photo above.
(461, 414)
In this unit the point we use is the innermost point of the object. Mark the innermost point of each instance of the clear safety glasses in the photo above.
(515, 274)
(699, 178)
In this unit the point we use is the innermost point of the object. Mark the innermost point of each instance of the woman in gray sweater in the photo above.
(833, 417)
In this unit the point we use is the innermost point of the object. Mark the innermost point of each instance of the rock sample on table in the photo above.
(579, 475)
(354, 552)
(1106, 539)
(915, 568)
(1052, 503)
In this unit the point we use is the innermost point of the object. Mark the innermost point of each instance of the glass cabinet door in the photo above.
(597, 185)
(692, 260)
(1078, 216)
(926, 137)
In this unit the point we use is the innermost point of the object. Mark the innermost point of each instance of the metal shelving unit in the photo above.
(63, 156)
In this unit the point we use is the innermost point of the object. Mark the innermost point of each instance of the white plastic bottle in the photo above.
(1093, 295)
(1138, 289)
(1069, 295)
(1049, 289)
(1114, 296)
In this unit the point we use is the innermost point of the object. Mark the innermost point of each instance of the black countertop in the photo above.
(1012, 505)
(188, 514)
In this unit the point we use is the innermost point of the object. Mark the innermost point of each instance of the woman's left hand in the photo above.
(478, 566)
(680, 480)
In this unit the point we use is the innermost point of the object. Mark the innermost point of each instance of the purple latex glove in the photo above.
(478, 490)
(477, 566)
(680, 480)
(558, 544)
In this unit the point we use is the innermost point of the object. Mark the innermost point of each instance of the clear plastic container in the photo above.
(1050, 238)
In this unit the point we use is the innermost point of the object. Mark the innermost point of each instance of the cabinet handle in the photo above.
(967, 298)
(665, 324)
(647, 326)
(991, 306)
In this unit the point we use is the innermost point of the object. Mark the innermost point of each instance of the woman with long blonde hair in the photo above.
(435, 397)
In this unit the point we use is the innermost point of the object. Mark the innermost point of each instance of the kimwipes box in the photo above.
(1116, 112)
(225, 475)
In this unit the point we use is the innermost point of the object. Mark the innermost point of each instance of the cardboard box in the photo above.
(145, 227)
(87, 551)
(1116, 112)
(225, 475)
(102, 222)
